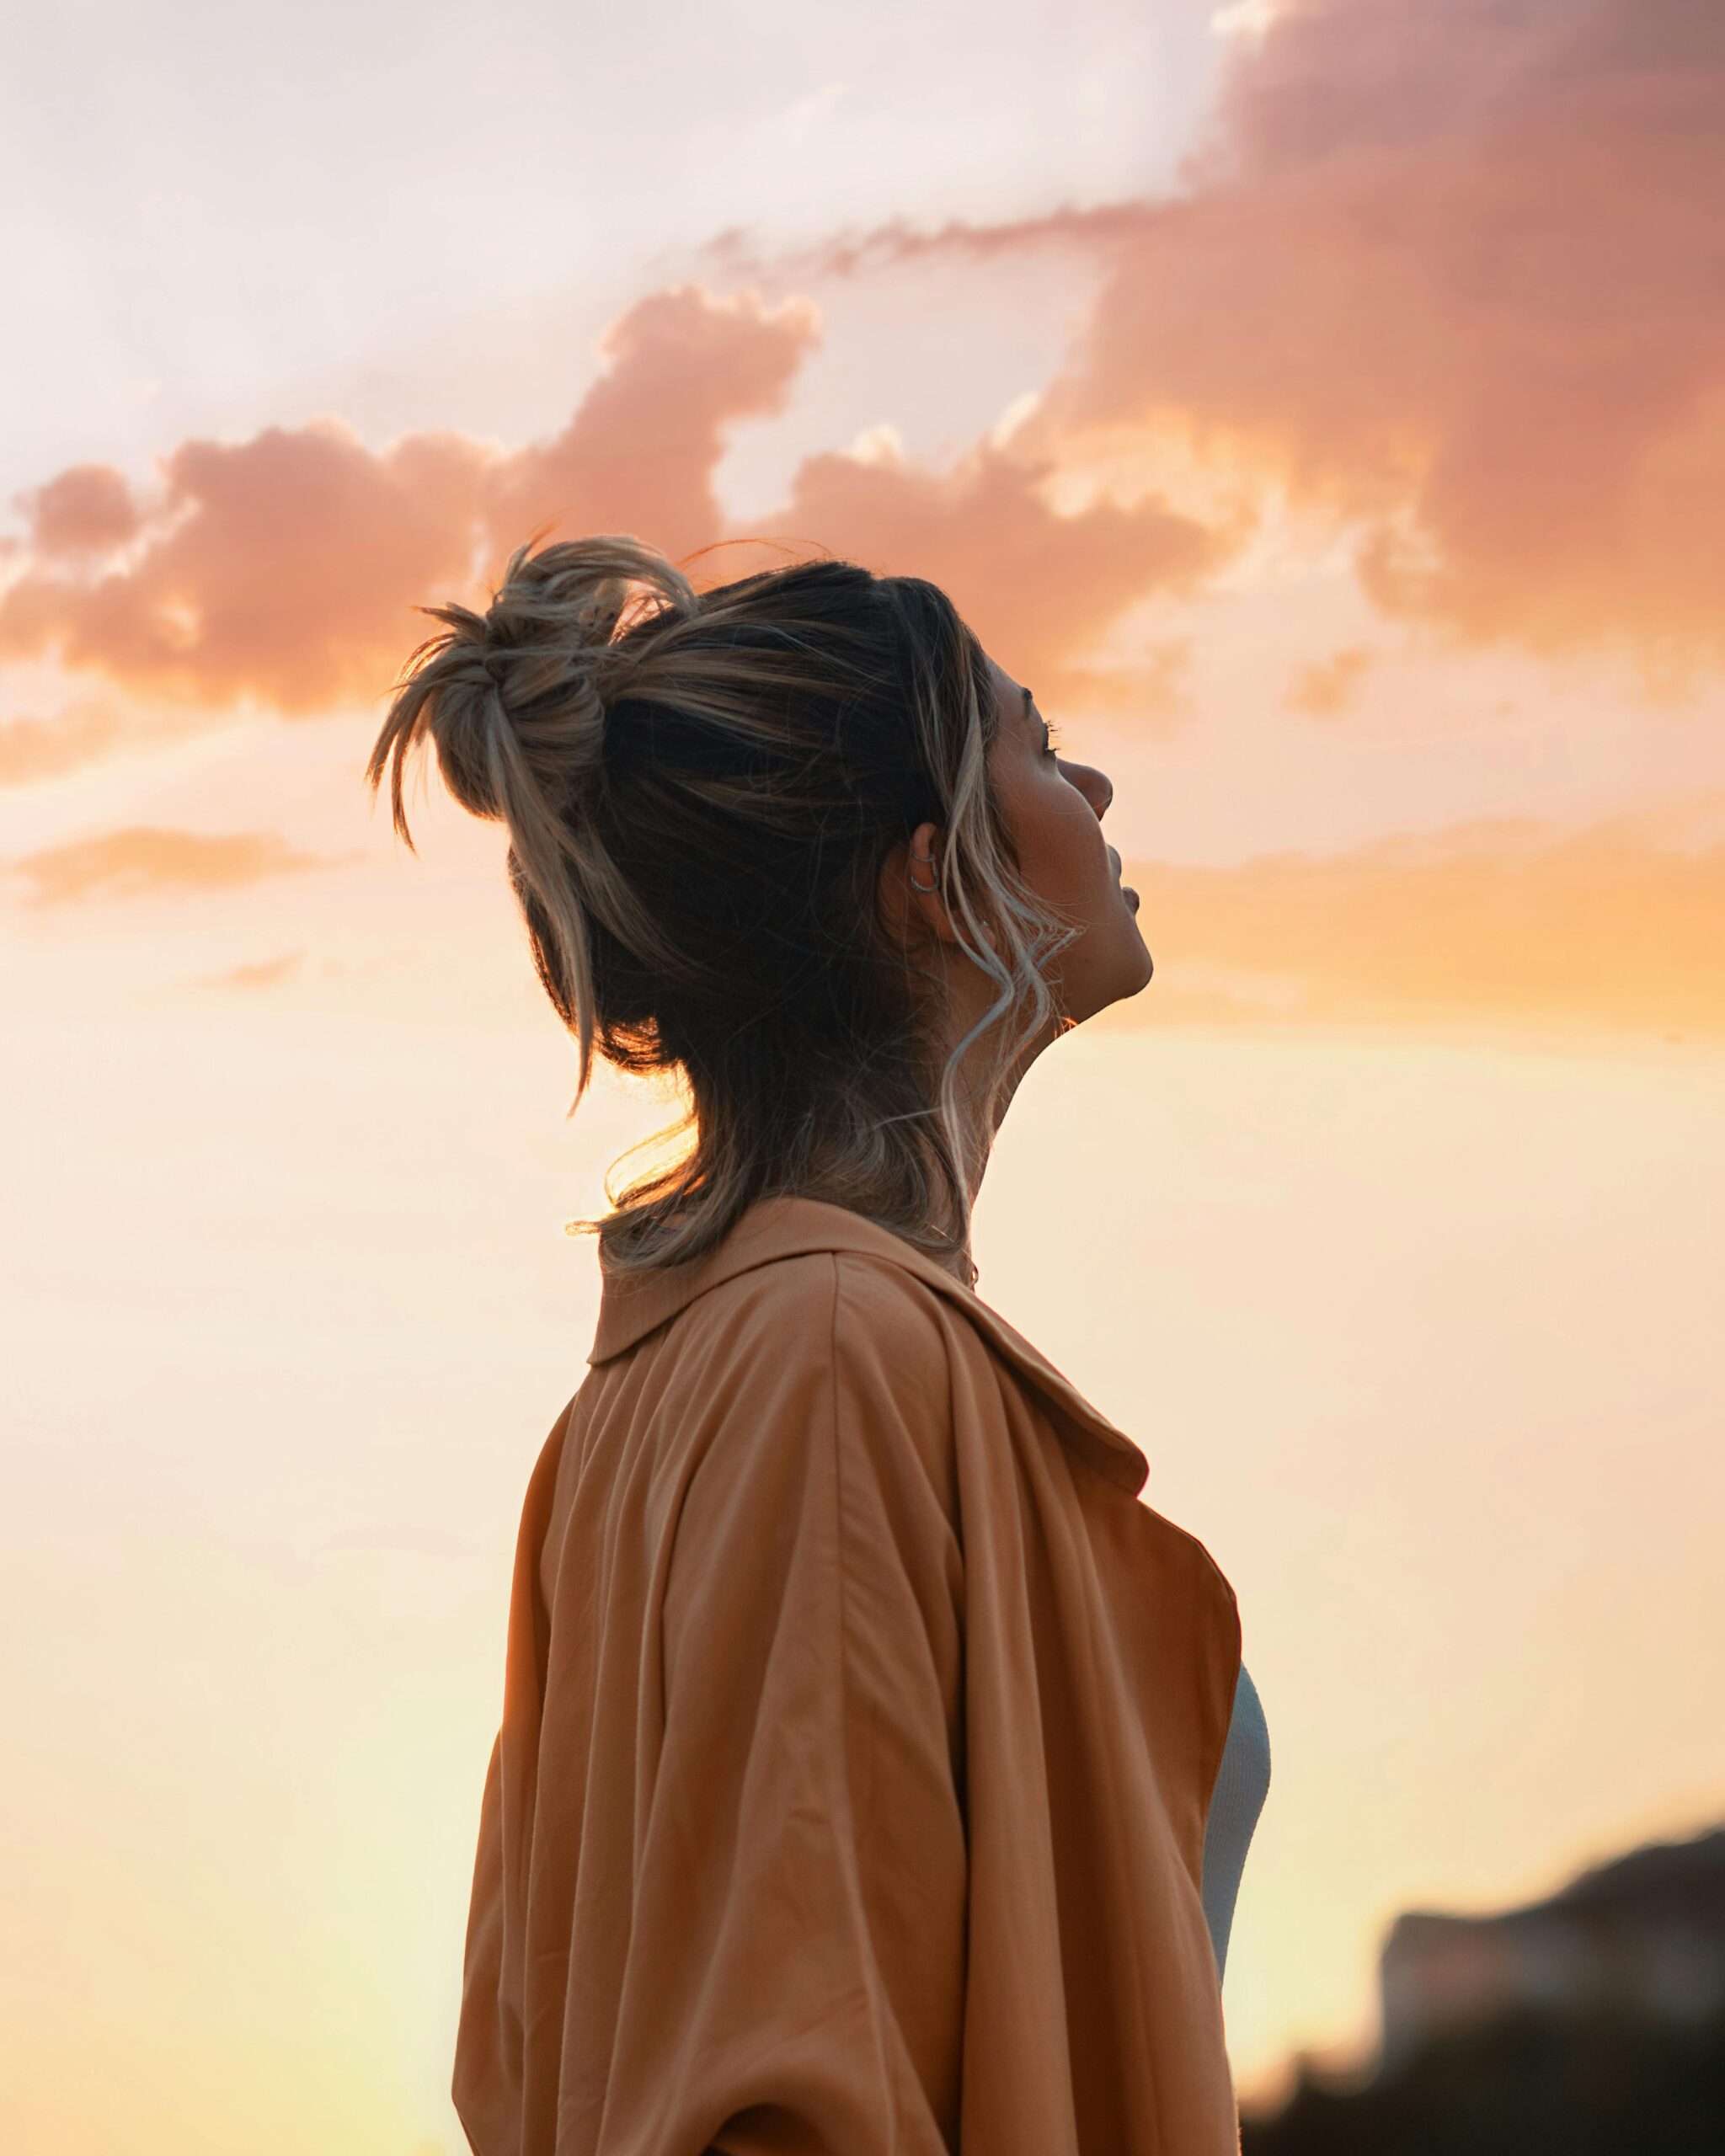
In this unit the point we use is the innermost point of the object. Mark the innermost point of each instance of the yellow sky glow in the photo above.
(1321, 408)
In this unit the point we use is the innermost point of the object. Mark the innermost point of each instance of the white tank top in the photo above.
(1242, 1782)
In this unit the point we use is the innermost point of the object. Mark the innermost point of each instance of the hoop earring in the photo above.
(928, 891)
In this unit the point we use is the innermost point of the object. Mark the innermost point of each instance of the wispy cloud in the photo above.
(85, 729)
(145, 861)
(263, 973)
(43, 748)
(1328, 684)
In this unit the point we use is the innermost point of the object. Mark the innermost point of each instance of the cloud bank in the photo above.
(1450, 273)
(1453, 271)
(1456, 269)
(285, 570)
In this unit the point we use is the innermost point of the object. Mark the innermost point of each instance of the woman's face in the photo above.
(1053, 808)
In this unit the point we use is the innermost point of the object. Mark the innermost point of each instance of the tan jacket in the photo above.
(859, 1728)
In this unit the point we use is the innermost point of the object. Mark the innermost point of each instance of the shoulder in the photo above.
(820, 1307)
(893, 1350)
(883, 1315)
(857, 1339)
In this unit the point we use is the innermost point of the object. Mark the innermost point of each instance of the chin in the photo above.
(1136, 965)
(1121, 981)
(1139, 981)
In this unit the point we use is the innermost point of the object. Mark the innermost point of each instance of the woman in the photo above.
(861, 1728)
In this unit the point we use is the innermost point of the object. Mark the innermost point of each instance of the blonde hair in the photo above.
(699, 790)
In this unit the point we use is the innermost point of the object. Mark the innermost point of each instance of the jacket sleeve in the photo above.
(795, 1976)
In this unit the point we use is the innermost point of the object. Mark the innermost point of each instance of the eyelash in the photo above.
(1053, 735)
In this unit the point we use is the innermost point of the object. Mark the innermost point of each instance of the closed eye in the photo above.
(1049, 735)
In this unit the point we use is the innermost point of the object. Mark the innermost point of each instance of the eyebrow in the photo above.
(1029, 696)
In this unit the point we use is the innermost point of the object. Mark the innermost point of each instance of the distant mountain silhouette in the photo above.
(1591, 2024)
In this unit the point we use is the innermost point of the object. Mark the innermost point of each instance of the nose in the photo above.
(1096, 787)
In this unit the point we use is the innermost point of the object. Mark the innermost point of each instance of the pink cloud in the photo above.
(1039, 589)
(1454, 271)
(87, 509)
(682, 369)
(272, 568)
(1458, 267)
(286, 568)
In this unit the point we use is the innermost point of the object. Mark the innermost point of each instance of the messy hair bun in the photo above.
(514, 698)
(699, 790)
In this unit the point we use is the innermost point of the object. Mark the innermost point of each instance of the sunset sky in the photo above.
(1322, 407)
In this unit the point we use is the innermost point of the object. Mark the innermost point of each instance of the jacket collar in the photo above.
(634, 1304)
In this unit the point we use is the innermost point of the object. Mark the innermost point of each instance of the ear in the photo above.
(905, 900)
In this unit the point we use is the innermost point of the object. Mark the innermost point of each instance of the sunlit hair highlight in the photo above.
(699, 789)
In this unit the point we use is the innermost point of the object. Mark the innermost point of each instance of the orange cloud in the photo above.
(144, 860)
(1490, 925)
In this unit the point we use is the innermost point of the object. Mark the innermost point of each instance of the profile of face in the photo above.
(1052, 806)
